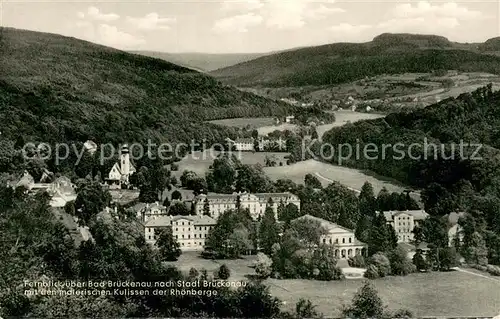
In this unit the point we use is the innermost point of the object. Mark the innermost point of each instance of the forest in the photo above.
(451, 179)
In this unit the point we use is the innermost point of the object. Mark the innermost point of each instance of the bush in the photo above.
(401, 265)
(420, 262)
(382, 264)
(493, 270)
(224, 272)
(372, 272)
(193, 273)
(263, 266)
(357, 262)
(402, 314)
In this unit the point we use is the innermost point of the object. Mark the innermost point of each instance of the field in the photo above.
(245, 121)
(199, 162)
(326, 173)
(239, 267)
(342, 117)
(354, 179)
(432, 294)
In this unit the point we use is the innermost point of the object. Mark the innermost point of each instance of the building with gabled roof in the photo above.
(121, 171)
(190, 232)
(404, 222)
(256, 203)
(345, 242)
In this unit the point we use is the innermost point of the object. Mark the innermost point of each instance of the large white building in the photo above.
(404, 222)
(121, 171)
(256, 203)
(244, 144)
(345, 243)
(190, 231)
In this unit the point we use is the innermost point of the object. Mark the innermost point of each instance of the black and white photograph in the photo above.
(288, 159)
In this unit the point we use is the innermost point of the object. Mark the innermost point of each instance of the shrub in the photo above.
(400, 263)
(372, 272)
(263, 266)
(493, 270)
(382, 264)
(193, 273)
(224, 272)
(420, 262)
(402, 314)
(357, 261)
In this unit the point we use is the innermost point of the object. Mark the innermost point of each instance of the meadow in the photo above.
(199, 162)
(327, 173)
(452, 293)
(254, 122)
(341, 118)
(424, 294)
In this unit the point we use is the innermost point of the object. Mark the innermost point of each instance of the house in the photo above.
(345, 243)
(404, 222)
(153, 211)
(244, 144)
(190, 232)
(61, 190)
(121, 171)
(256, 203)
(289, 119)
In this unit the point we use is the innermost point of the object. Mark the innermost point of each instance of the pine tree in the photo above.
(367, 201)
(268, 231)
(379, 236)
(392, 237)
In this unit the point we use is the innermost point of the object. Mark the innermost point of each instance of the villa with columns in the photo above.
(345, 243)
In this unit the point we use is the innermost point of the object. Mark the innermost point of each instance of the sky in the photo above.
(249, 26)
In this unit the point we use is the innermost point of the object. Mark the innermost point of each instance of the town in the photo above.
(249, 159)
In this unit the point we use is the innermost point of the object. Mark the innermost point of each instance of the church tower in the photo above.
(125, 163)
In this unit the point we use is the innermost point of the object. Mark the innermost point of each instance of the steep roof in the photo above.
(164, 221)
(417, 214)
(329, 226)
(244, 140)
(323, 222)
(267, 195)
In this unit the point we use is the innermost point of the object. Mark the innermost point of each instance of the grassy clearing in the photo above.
(239, 267)
(432, 294)
(244, 121)
(199, 162)
(349, 177)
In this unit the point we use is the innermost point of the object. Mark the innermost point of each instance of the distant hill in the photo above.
(345, 62)
(492, 44)
(203, 62)
(55, 88)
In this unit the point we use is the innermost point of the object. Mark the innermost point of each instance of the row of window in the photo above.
(403, 223)
(337, 240)
(189, 236)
